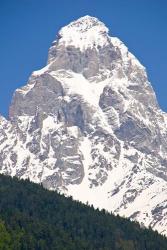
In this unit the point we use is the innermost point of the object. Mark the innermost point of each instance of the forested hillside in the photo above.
(34, 218)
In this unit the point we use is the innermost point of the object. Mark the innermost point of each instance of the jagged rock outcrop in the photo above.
(89, 125)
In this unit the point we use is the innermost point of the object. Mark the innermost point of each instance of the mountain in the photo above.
(32, 217)
(89, 125)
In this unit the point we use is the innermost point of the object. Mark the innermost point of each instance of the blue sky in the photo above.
(27, 28)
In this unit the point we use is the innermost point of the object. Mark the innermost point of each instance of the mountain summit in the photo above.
(86, 32)
(89, 125)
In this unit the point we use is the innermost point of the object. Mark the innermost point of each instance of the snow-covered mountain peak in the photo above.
(85, 23)
(86, 32)
(88, 124)
(85, 47)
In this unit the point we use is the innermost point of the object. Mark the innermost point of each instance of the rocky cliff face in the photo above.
(88, 124)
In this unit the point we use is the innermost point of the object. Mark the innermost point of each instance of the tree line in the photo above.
(32, 217)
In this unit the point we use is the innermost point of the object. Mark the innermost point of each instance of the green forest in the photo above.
(32, 217)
